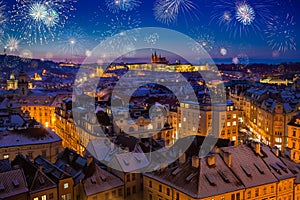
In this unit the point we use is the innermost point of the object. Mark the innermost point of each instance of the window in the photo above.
(228, 116)
(150, 184)
(160, 188)
(128, 191)
(5, 156)
(44, 153)
(51, 196)
(150, 196)
(44, 197)
(30, 155)
(120, 192)
(66, 185)
(272, 188)
(294, 133)
(168, 191)
(233, 197)
(35, 198)
(249, 194)
(238, 196)
(128, 177)
(114, 192)
(95, 198)
(134, 189)
(106, 196)
(256, 192)
(265, 190)
(234, 116)
(177, 196)
(228, 124)
(234, 123)
(133, 177)
(222, 198)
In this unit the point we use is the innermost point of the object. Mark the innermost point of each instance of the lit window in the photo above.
(47, 124)
(228, 123)
(184, 119)
(35, 198)
(5, 156)
(66, 185)
(44, 197)
(233, 138)
(234, 116)
(234, 123)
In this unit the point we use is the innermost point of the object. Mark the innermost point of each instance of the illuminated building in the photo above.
(12, 83)
(293, 145)
(248, 171)
(196, 118)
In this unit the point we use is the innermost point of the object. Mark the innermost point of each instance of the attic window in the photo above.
(223, 176)
(210, 179)
(42, 180)
(93, 180)
(103, 178)
(176, 171)
(246, 170)
(125, 162)
(137, 159)
(189, 178)
(16, 183)
(1, 187)
(276, 168)
(259, 168)
(282, 166)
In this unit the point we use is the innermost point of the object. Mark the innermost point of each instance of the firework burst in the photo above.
(73, 42)
(244, 13)
(204, 39)
(167, 11)
(118, 25)
(280, 33)
(115, 6)
(38, 21)
(242, 17)
(11, 44)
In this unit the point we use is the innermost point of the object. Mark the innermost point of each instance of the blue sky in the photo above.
(200, 19)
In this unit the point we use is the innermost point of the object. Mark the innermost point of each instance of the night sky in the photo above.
(253, 30)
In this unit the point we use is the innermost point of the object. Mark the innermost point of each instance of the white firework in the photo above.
(242, 17)
(38, 21)
(244, 13)
(12, 44)
(281, 33)
(151, 38)
(167, 11)
(115, 6)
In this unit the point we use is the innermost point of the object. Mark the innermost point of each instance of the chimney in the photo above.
(164, 165)
(182, 158)
(89, 160)
(211, 160)
(195, 161)
(256, 147)
(276, 151)
(68, 169)
(227, 158)
(71, 157)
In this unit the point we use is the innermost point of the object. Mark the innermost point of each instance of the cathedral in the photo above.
(158, 59)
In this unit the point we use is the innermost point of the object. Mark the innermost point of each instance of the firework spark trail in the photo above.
(115, 6)
(38, 21)
(242, 17)
(280, 33)
(167, 11)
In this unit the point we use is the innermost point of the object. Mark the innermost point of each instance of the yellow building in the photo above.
(294, 138)
(250, 171)
(12, 83)
(196, 119)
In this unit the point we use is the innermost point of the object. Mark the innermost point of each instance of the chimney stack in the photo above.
(68, 169)
(195, 161)
(182, 158)
(256, 147)
(227, 158)
(211, 160)
(89, 160)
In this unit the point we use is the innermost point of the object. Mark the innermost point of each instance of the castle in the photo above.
(158, 59)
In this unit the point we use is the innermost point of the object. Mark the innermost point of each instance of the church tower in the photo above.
(23, 84)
